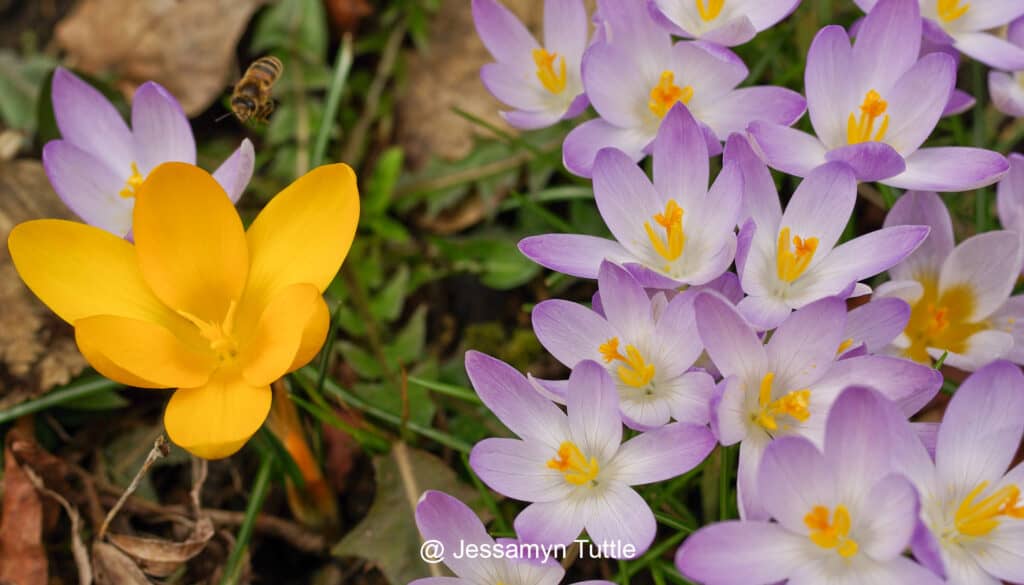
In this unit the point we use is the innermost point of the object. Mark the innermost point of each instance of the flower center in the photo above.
(711, 10)
(666, 93)
(941, 322)
(574, 465)
(131, 186)
(671, 221)
(218, 334)
(795, 404)
(978, 518)
(635, 371)
(950, 10)
(553, 82)
(834, 533)
(790, 263)
(860, 129)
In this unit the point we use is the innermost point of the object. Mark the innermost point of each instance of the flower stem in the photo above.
(233, 567)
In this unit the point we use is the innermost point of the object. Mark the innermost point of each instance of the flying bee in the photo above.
(251, 99)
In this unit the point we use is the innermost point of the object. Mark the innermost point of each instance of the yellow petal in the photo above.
(144, 350)
(313, 337)
(190, 241)
(80, 271)
(279, 334)
(106, 367)
(215, 420)
(303, 234)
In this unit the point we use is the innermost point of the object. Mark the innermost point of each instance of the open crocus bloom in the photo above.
(793, 258)
(959, 297)
(967, 26)
(842, 517)
(787, 386)
(638, 339)
(99, 163)
(972, 507)
(198, 303)
(541, 83)
(873, 106)
(1007, 89)
(726, 22)
(445, 519)
(672, 232)
(575, 468)
(634, 75)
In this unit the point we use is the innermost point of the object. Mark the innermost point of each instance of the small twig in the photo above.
(78, 550)
(159, 450)
(200, 468)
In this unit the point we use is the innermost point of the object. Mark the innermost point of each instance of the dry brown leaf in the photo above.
(346, 14)
(188, 46)
(159, 557)
(113, 567)
(22, 556)
(36, 348)
(78, 551)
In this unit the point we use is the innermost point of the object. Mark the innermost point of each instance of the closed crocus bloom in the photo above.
(99, 163)
(959, 296)
(541, 83)
(841, 515)
(446, 520)
(1007, 89)
(785, 387)
(638, 339)
(670, 232)
(873, 106)
(634, 75)
(793, 259)
(198, 303)
(972, 508)
(967, 26)
(726, 22)
(573, 466)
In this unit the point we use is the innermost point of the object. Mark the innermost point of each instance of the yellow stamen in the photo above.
(574, 465)
(711, 10)
(218, 334)
(860, 129)
(950, 10)
(941, 322)
(979, 518)
(671, 220)
(791, 263)
(131, 186)
(666, 93)
(636, 372)
(553, 82)
(832, 534)
(795, 404)
(845, 345)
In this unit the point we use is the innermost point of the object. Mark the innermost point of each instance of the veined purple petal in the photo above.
(1007, 93)
(794, 477)
(551, 522)
(829, 84)
(683, 349)
(626, 305)
(620, 515)
(748, 497)
(950, 168)
(917, 101)
(982, 348)
(990, 14)
(680, 157)
(959, 102)
(90, 122)
(571, 332)
(988, 263)
(88, 187)
(890, 514)
(593, 408)
(234, 173)
(502, 32)
(1006, 561)
(616, 87)
(628, 25)
(760, 198)
(732, 32)
(821, 207)
(517, 469)
(584, 142)
(927, 550)
(804, 345)
(1010, 195)
(768, 13)
(741, 553)
(662, 454)
(625, 198)
(870, 161)
(764, 312)
(565, 29)
(711, 70)
(505, 82)
(787, 149)
(161, 129)
(734, 111)
(732, 345)
(572, 254)
(910, 385)
(877, 323)
(445, 519)
(888, 43)
(532, 120)
(856, 445)
(1010, 318)
(691, 397)
(991, 50)
(922, 208)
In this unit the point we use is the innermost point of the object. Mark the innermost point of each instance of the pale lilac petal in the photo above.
(732, 345)
(733, 32)
(765, 14)
(917, 101)
(1015, 31)
(615, 85)
(990, 14)
(161, 129)
(711, 70)
(910, 385)
(628, 25)
(682, 350)
(625, 197)
(661, 454)
(593, 407)
(234, 173)
(575, 255)
(1010, 318)
(991, 50)
(643, 413)
(1007, 94)
(1010, 195)
(1005, 560)
(821, 207)
(626, 305)
(870, 161)
(888, 43)
(988, 263)
(922, 208)
(734, 111)
(88, 187)
(565, 28)
(760, 198)
(584, 141)
(927, 550)
(506, 83)
(968, 572)
(856, 440)
(741, 553)
(531, 120)
(950, 168)
(440, 581)
(969, 453)
(764, 313)
(502, 32)
(551, 522)
(829, 85)
(982, 348)
(794, 478)
(680, 158)
(570, 332)
(959, 102)
(804, 345)
(877, 323)
(620, 515)
(511, 398)
(897, 570)
(789, 150)
(89, 121)
(729, 417)
(892, 510)
(691, 396)
(445, 519)
(517, 469)
(750, 503)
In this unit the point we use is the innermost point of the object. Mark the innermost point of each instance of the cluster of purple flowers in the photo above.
(835, 485)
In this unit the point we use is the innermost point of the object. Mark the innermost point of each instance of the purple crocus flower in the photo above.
(785, 387)
(634, 75)
(841, 515)
(873, 105)
(672, 232)
(871, 327)
(1007, 89)
(1010, 195)
(972, 508)
(639, 341)
(793, 258)
(99, 162)
(541, 83)
(959, 296)
(966, 25)
(446, 520)
(725, 22)
(574, 468)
